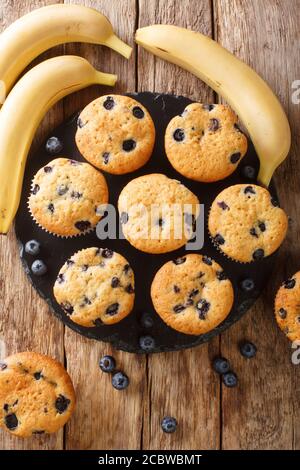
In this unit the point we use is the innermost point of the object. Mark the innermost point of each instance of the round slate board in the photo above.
(125, 335)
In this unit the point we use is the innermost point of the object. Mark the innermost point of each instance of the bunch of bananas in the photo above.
(41, 87)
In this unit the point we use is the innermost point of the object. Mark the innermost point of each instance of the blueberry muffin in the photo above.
(205, 143)
(36, 394)
(68, 197)
(116, 134)
(158, 214)
(246, 224)
(95, 287)
(192, 294)
(287, 307)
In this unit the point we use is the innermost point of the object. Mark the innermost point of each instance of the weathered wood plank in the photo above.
(263, 412)
(105, 418)
(25, 320)
(179, 384)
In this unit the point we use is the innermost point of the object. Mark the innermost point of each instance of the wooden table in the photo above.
(263, 412)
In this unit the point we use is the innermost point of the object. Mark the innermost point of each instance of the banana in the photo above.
(246, 92)
(49, 26)
(22, 112)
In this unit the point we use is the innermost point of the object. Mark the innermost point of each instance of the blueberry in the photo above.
(262, 226)
(214, 124)
(107, 253)
(109, 103)
(11, 421)
(76, 195)
(221, 276)
(176, 289)
(222, 205)
(80, 123)
(47, 169)
(221, 365)
(219, 240)
(178, 261)
(115, 282)
(51, 208)
(127, 269)
(208, 107)
(68, 307)
(249, 172)
(282, 313)
(234, 158)
(193, 293)
(38, 267)
(207, 260)
(179, 135)
(35, 189)
(128, 145)
(37, 375)
(289, 284)
(62, 189)
(62, 403)
(107, 364)
(105, 156)
(129, 289)
(54, 146)
(178, 308)
(146, 320)
(138, 112)
(82, 225)
(32, 247)
(120, 381)
(112, 309)
(249, 190)
(248, 349)
(202, 307)
(258, 254)
(3, 366)
(147, 343)
(169, 424)
(252, 232)
(230, 379)
(247, 285)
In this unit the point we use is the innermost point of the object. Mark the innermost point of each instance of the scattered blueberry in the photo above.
(222, 205)
(107, 253)
(249, 172)
(179, 260)
(214, 124)
(11, 421)
(76, 195)
(147, 343)
(146, 320)
(82, 225)
(202, 307)
(120, 381)
(107, 364)
(249, 190)
(54, 146)
(115, 282)
(105, 156)
(62, 403)
(207, 260)
(62, 189)
(169, 424)
(230, 379)
(129, 289)
(51, 208)
(248, 349)
(6, 407)
(32, 247)
(129, 145)
(35, 189)
(252, 232)
(112, 309)
(178, 308)
(208, 107)
(37, 375)
(47, 169)
(179, 135)
(138, 112)
(219, 240)
(262, 226)
(221, 365)
(282, 313)
(38, 267)
(109, 103)
(234, 158)
(247, 285)
(289, 284)
(258, 254)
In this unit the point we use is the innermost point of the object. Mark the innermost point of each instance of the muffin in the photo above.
(68, 197)
(116, 134)
(36, 394)
(246, 224)
(287, 307)
(205, 143)
(95, 287)
(158, 214)
(192, 294)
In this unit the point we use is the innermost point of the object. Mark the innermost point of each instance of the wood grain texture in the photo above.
(180, 384)
(26, 322)
(263, 412)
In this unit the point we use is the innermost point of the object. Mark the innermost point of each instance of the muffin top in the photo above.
(246, 224)
(36, 394)
(205, 143)
(95, 286)
(116, 134)
(192, 294)
(287, 307)
(68, 197)
(157, 213)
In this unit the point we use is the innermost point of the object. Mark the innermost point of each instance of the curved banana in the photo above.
(49, 26)
(246, 92)
(22, 112)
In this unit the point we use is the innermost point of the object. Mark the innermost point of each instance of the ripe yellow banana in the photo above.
(246, 92)
(22, 112)
(49, 26)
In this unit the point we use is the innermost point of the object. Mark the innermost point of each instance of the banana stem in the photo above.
(119, 46)
(106, 78)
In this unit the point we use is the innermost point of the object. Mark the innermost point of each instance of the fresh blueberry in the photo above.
(147, 343)
(258, 254)
(62, 403)
(128, 145)
(146, 320)
(230, 379)
(109, 103)
(138, 112)
(120, 381)
(54, 146)
(38, 267)
(221, 365)
(169, 424)
(234, 158)
(248, 349)
(32, 247)
(248, 172)
(37, 375)
(289, 284)
(179, 135)
(107, 364)
(247, 285)
(282, 313)
(11, 421)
